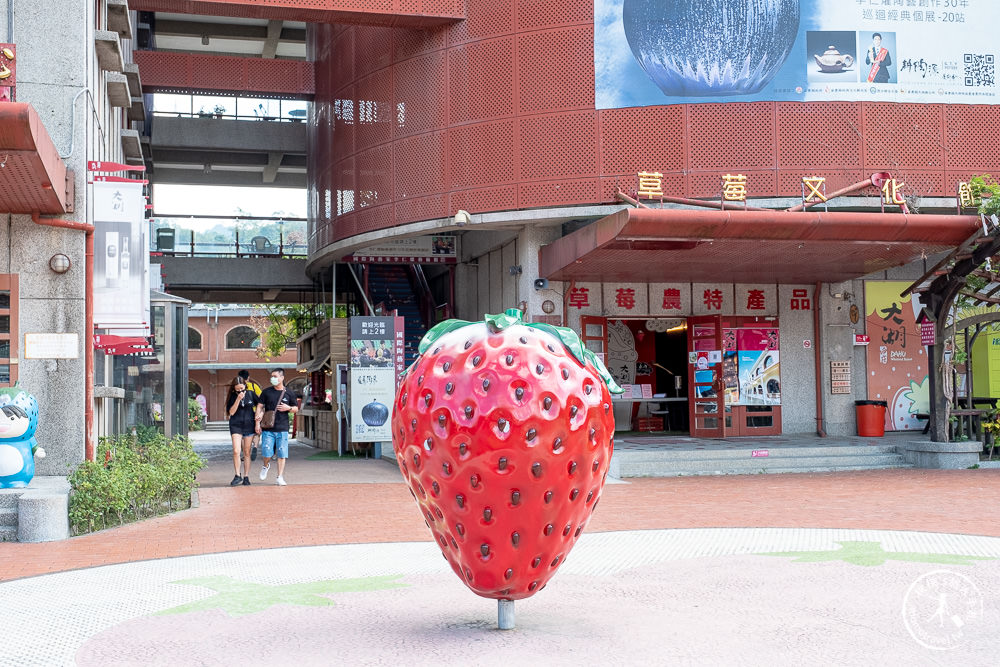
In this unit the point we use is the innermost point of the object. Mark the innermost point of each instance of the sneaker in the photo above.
(263, 471)
(280, 481)
(246, 481)
(253, 453)
(236, 481)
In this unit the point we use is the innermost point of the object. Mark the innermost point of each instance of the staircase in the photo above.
(390, 285)
(8, 514)
(652, 462)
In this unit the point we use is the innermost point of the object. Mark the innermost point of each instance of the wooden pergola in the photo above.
(939, 287)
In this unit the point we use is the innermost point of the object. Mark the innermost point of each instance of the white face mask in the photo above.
(275, 381)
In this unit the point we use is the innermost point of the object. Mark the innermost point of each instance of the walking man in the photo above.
(274, 437)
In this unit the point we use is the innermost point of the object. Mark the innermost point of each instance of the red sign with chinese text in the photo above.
(927, 333)
(862, 339)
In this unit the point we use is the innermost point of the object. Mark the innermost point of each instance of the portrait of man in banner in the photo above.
(878, 67)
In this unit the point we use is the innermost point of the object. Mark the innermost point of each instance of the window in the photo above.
(242, 338)
(194, 339)
(8, 329)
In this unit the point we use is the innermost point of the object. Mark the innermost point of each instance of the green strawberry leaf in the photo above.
(569, 338)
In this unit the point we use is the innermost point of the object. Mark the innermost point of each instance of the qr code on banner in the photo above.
(980, 69)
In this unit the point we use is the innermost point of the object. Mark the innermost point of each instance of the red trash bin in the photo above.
(871, 417)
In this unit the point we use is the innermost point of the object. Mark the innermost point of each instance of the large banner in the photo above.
(376, 362)
(121, 257)
(897, 361)
(649, 52)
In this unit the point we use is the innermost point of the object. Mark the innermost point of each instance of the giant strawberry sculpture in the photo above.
(504, 431)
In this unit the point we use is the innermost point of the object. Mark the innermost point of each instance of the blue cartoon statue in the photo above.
(18, 447)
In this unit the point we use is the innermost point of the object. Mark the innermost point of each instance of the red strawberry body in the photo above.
(504, 437)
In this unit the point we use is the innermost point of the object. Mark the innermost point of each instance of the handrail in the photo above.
(425, 295)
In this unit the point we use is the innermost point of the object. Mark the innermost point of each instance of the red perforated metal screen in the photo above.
(166, 72)
(496, 112)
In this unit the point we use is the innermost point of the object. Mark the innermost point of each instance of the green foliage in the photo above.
(985, 191)
(196, 417)
(135, 476)
(279, 326)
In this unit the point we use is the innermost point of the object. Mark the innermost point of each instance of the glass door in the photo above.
(706, 395)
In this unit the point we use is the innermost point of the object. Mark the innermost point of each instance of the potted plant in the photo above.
(961, 357)
(219, 110)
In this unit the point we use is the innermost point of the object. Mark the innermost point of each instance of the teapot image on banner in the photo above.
(710, 47)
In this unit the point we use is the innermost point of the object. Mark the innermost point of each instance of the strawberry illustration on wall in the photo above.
(18, 447)
(504, 432)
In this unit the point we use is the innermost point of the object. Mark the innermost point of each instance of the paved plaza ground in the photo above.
(891, 567)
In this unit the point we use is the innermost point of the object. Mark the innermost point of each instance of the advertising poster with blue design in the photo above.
(376, 358)
(652, 52)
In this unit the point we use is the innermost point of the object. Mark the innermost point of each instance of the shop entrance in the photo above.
(707, 376)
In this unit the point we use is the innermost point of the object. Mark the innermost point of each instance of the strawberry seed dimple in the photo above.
(446, 469)
(565, 374)
(454, 544)
(551, 349)
(519, 393)
(571, 468)
(597, 464)
(532, 586)
(416, 461)
(420, 380)
(436, 488)
(590, 496)
(566, 530)
(487, 514)
(474, 481)
(436, 350)
(446, 366)
(460, 499)
(536, 562)
(536, 469)
(413, 425)
(572, 411)
(555, 561)
(502, 463)
(548, 529)
(530, 435)
(503, 425)
(484, 549)
(427, 399)
(579, 529)
(515, 538)
(540, 369)
(606, 408)
(548, 497)
(556, 445)
(588, 389)
(515, 498)
(509, 359)
(428, 444)
(508, 574)
(442, 420)
(403, 400)
(486, 384)
(460, 529)
(437, 512)
(468, 412)
(574, 494)
(593, 432)
(463, 448)
(547, 403)
(476, 360)
(523, 340)
(449, 388)
(468, 344)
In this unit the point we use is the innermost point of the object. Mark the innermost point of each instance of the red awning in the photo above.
(678, 245)
(34, 177)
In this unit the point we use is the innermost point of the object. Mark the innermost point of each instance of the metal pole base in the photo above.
(505, 614)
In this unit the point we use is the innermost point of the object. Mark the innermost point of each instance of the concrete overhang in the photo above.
(118, 18)
(236, 280)
(109, 51)
(33, 177)
(216, 134)
(134, 81)
(118, 92)
(131, 145)
(137, 110)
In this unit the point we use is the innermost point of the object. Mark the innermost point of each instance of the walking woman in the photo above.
(241, 406)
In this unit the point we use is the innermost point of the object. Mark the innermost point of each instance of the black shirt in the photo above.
(269, 397)
(243, 418)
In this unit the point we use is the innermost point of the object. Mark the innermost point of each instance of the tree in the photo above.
(279, 326)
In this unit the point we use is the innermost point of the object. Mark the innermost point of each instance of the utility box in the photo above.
(985, 359)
